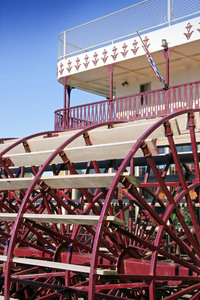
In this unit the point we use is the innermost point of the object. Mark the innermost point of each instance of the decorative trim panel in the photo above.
(175, 35)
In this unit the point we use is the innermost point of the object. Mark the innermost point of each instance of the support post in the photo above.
(64, 80)
(68, 112)
(110, 70)
(111, 108)
(167, 51)
(69, 89)
(64, 49)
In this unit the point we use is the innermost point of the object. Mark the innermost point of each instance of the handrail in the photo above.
(138, 106)
(124, 24)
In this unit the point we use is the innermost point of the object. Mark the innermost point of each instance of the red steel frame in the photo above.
(129, 280)
(156, 103)
(163, 223)
(23, 206)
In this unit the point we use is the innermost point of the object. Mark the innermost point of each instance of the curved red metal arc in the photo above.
(105, 208)
(19, 141)
(99, 230)
(22, 209)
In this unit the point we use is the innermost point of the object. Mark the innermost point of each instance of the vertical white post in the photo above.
(64, 52)
(169, 12)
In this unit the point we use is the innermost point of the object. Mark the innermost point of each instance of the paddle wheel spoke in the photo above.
(157, 229)
(103, 228)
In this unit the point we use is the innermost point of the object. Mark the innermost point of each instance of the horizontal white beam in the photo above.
(61, 219)
(57, 265)
(66, 181)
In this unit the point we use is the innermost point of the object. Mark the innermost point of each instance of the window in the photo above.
(145, 88)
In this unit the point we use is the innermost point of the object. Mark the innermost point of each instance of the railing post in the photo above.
(64, 50)
(197, 95)
(169, 12)
(169, 104)
(160, 102)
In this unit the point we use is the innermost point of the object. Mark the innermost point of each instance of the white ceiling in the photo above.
(97, 80)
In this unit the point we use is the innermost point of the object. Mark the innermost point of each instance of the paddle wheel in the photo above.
(107, 212)
(106, 206)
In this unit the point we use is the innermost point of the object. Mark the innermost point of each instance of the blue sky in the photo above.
(29, 91)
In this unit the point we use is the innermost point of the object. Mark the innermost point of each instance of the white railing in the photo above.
(144, 16)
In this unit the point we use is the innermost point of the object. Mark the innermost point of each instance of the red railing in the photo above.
(129, 108)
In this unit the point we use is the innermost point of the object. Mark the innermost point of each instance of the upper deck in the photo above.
(106, 56)
(113, 39)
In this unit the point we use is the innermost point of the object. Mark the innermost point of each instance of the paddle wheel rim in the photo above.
(35, 180)
(95, 288)
(6, 163)
(92, 280)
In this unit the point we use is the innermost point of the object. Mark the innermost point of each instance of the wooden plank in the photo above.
(120, 133)
(182, 122)
(82, 154)
(107, 144)
(57, 265)
(53, 143)
(97, 135)
(197, 119)
(18, 149)
(183, 139)
(152, 147)
(101, 152)
(114, 150)
(76, 155)
(3, 258)
(16, 183)
(62, 219)
(43, 144)
(131, 132)
(175, 127)
(64, 181)
(83, 180)
(2, 298)
(33, 158)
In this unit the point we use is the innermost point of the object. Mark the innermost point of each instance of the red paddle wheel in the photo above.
(110, 212)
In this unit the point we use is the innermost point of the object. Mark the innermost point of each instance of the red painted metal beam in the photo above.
(159, 220)
(142, 267)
